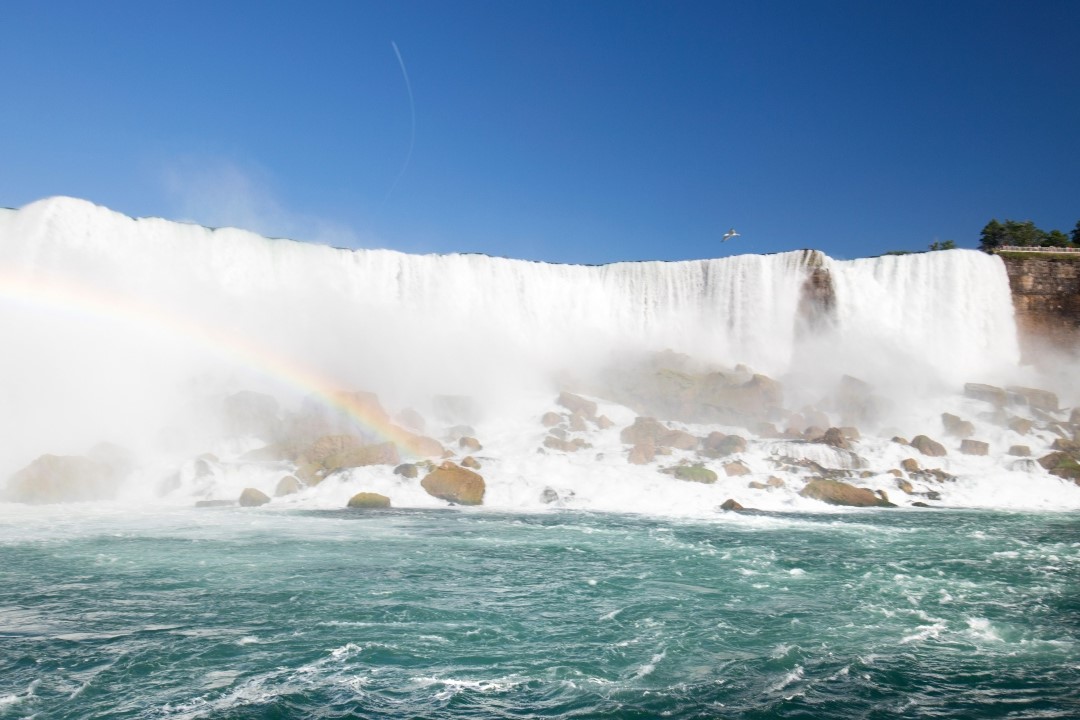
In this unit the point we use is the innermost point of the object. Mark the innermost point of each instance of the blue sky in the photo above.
(583, 132)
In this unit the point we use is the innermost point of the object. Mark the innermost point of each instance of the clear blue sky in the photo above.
(561, 131)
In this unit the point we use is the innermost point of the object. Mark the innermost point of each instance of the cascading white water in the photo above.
(116, 327)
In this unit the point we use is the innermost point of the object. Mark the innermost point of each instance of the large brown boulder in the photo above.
(736, 468)
(642, 454)
(927, 446)
(455, 484)
(331, 453)
(717, 447)
(835, 437)
(287, 485)
(361, 456)
(650, 431)
(71, 478)
(1063, 465)
(835, 492)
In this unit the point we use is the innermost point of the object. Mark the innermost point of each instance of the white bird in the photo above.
(730, 234)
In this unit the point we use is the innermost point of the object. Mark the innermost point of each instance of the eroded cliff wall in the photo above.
(1046, 295)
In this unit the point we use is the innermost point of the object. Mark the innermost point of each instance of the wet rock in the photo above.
(71, 478)
(900, 441)
(835, 492)
(1020, 451)
(736, 468)
(920, 504)
(407, 470)
(604, 422)
(569, 446)
(1021, 426)
(287, 485)
(1069, 446)
(1062, 465)
(756, 485)
(1033, 398)
(905, 486)
(470, 444)
(987, 393)
(368, 501)
(692, 473)
(724, 445)
(774, 482)
(455, 484)
(549, 496)
(577, 423)
(927, 446)
(731, 505)
(957, 427)
(577, 404)
(642, 454)
(974, 447)
(470, 462)
(550, 419)
(835, 437)
(252, 497)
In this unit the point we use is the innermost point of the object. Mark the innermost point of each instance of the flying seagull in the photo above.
(730, 234)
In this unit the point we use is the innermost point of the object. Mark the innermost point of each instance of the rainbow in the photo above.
(77, 299)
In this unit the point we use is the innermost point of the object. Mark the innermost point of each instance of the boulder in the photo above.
(555, 443)
(774, 482)
(577, 404)
(361, 456)
(1020, 426)
(736, 468)
(549, 496)
(957, 427)
(368, 501)
(1063, 465)
(604, 422)
(905, 486)
(577, 423)
(287, 485)
(927, 446)
(550, 419)
(974, 447)
(1020, 451)
(470, 462)
(835, 492)
(835, 437)
(642, 454)
(900, 441)
(731, 505)
(692, 473)
(455, 484)
(470, 444)
(987, 393)
(413, 445)
(724, 445)
(71, 478)
(910, 465)
(1072, 447)
(252, 497)
(1033, 398)
(650, 430)
(407, 470)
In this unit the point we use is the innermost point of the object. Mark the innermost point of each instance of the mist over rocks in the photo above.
(235, 362)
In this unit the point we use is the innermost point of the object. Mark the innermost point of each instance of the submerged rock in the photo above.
(455, 484)
(692, 473)
(368, 501)
(731, 505)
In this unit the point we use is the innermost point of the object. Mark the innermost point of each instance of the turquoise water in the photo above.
(231, 613)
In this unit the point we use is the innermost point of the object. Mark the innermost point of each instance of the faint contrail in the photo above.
(412, 113)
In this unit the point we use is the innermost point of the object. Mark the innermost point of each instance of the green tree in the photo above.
(1055, 238)
(1076, 233)
(944, 245)
(992, 236)
(1024, 234)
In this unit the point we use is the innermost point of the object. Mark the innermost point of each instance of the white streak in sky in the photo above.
(412, 113)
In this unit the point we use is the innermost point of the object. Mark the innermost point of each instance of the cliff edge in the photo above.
(1046, 296)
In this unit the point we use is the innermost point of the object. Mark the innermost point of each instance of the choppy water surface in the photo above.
(228, 613)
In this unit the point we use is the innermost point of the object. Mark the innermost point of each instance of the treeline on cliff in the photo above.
(1025, 234)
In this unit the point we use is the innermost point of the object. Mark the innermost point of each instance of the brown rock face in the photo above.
(650, 431)
(642, 454)
(835, 492)
(817, 297)
(957, 427)
(927, 446)
(1046, 296)
(1033, 397)
(455, 484)
(1020, 451)
(988, 393)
